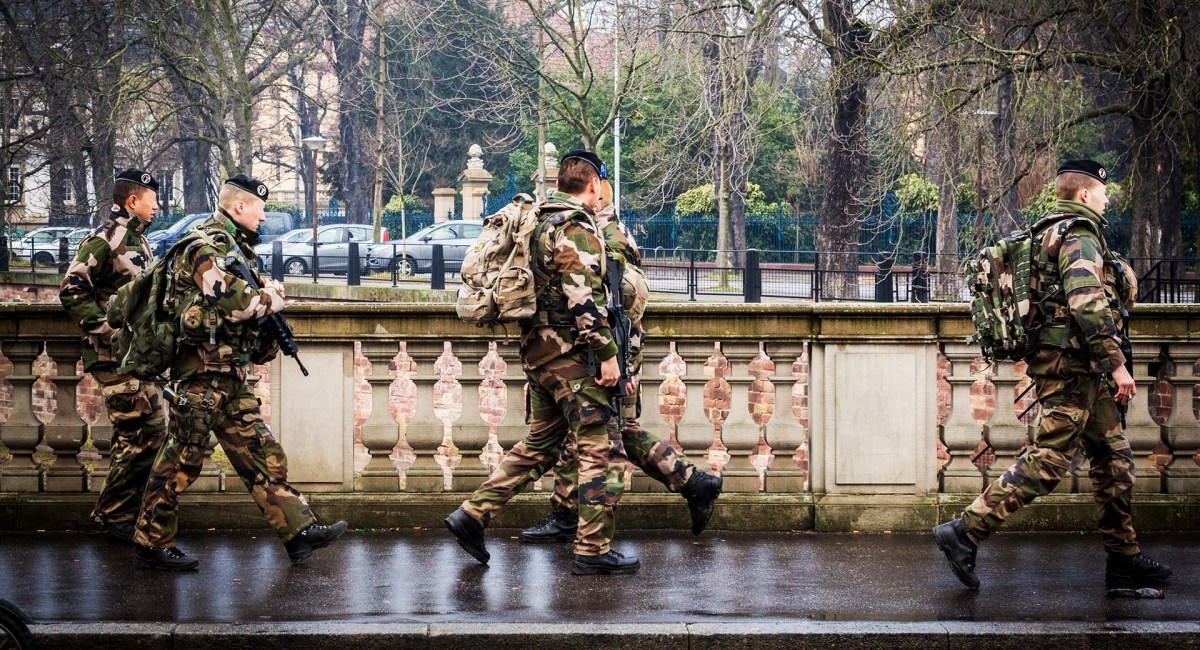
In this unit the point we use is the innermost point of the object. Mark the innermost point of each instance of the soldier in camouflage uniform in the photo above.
(562, 346)
(655, 457)
(220, 338)
(108, 259)
(1082, 383)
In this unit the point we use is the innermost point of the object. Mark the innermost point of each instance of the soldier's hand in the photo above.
(1126, 387)
(277, 286)
(610, 372)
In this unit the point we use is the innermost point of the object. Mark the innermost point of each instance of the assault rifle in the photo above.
(276, 325)
(622, 330)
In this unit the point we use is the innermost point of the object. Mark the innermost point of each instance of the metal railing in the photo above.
(752, 275)
(1172, 280)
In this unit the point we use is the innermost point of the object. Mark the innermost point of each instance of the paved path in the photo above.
(721, 577)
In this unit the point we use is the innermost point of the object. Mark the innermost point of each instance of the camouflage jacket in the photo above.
(568, 262)
(219, 313)
(107, 260)
(621, 244)
(1082, 328)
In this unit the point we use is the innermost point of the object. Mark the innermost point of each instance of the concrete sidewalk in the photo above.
(414, 587)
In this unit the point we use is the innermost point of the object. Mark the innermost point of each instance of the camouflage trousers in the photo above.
(1077, 411)
(139, 427)
(225, 406)
(564, 400)
(649, 452)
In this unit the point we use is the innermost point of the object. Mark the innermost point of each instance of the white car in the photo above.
(42, 244)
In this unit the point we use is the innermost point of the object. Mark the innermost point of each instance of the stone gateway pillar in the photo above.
(443, 203)
(474, 180)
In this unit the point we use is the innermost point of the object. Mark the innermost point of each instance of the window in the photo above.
(14, 184)
(14, 113)
(445, 232)
(66, 178)
(472, 230)
(330, 236)
(361, 234)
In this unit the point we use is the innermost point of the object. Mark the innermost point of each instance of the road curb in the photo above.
(743, 635)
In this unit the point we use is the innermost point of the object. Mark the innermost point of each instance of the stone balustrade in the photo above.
(881, 414)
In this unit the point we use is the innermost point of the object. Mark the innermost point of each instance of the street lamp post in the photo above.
(315, 143)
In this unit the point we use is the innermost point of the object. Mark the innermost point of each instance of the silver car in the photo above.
(42, 244)
(333, 248)
(415, 253)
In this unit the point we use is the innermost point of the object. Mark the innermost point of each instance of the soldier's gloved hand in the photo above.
(610, 372)
(1126, 387)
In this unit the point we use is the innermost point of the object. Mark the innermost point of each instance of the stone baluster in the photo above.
(739, 432)
(1005, 433)
(470, 433)
(380, 432)
(694, 431)
(717, 402)
(65, 432)
(89, 402)
(402, 406)
(424, 432)
(1141, 430)
(6, 408)
(1181, 431)
(447, 406)
(493, 406)
(800, 410)
(761, 406)
(961, 432)
(21, 431)
(672, 394)
(664, 396)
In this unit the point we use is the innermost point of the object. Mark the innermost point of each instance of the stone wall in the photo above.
(862, 416)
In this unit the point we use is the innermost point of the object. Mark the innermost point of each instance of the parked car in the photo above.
(332, 250)
(42, 244)
(414, 254)
(276, 225)
(161, 240)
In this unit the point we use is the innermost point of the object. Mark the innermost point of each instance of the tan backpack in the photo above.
(498, 283)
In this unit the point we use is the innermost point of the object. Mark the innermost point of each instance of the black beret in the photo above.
(139, 177)
(251, 185)
(1085, 167)
(588, 157)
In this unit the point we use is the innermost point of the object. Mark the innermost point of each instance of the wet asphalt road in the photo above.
(422, 576)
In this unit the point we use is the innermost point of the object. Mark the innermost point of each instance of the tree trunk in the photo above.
(846, 156)
(1157, 180)
(357, 174)
(944, 172)
(198, 185)
(84, 205)
(1008, 208)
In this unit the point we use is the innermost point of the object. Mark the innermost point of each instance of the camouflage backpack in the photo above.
(1009, 281)
(143, 315)
(498, 283)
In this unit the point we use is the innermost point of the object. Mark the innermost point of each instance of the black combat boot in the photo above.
(119, 532)
(165, 559)
(558, 526)
(1132, 571)
(469, 534)
(611, 563)
(952, 538)
(701, 492)
(312, 538)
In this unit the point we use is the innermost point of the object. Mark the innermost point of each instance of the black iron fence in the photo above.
(749, 275)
